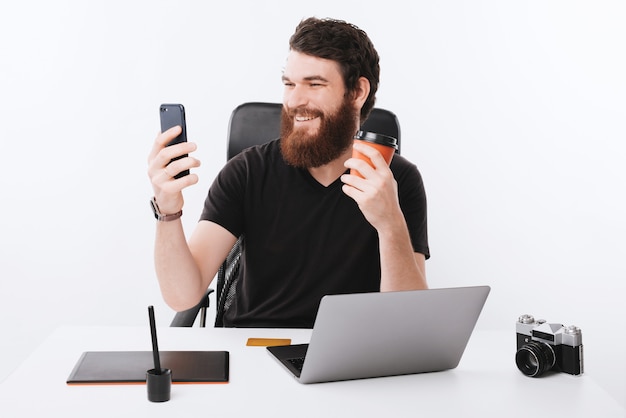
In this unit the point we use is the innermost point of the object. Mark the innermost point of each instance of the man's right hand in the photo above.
(161, 170)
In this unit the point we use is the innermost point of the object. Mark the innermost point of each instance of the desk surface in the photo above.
(486, 383)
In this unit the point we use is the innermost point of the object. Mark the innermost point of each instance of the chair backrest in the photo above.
(255, 123)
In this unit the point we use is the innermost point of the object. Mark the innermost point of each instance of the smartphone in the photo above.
(172, 115)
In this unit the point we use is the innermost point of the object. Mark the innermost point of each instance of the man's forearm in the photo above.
(178, 274)
(401, 267)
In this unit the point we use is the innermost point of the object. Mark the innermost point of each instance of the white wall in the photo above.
(514, 112)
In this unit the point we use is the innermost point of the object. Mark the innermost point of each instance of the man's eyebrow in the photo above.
(308, 78)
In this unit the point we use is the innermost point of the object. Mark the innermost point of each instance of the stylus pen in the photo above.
(155, 345)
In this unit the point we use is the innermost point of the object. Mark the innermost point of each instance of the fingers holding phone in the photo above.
(174, 156)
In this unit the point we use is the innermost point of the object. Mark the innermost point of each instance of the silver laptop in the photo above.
(365, 335)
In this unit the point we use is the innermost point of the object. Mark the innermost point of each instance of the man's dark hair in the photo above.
(347, 45)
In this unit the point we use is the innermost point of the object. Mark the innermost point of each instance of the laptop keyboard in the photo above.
(297, 362)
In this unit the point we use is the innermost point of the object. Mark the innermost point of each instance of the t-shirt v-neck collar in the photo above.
(319, 186)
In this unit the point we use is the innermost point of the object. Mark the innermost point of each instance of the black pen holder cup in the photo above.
(159, 385)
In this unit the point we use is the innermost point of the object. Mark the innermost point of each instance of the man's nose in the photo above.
(296, 97)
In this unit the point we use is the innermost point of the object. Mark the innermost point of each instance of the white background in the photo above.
(513, 111)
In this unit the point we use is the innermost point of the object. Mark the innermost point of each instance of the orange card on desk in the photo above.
(268, 342)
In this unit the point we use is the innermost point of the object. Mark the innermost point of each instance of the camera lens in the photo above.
(534, 358)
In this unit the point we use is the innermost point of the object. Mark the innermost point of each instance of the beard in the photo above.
(334, 135)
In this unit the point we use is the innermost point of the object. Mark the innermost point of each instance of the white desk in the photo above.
(486, 383)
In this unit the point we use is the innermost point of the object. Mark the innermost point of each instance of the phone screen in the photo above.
(173, 115)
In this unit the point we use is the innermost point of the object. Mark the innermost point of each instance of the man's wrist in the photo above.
(161, 217)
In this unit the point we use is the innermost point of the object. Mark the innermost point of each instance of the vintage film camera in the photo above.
(542, 347)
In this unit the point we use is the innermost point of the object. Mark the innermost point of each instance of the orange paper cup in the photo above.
(386, 145)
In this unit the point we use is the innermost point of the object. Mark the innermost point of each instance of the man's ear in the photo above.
(361, 92)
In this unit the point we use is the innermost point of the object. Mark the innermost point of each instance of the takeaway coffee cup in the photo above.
(386, 145)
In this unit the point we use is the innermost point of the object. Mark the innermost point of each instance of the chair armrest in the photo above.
(188, 317)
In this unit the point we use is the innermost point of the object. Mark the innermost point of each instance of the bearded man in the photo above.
(310, 228)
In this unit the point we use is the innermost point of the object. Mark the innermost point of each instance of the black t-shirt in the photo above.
(302, 240)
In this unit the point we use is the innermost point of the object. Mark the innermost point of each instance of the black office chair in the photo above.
(252, 124)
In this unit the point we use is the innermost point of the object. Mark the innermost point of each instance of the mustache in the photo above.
(303, 111)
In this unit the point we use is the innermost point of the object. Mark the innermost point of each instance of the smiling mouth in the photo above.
(304, 118)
